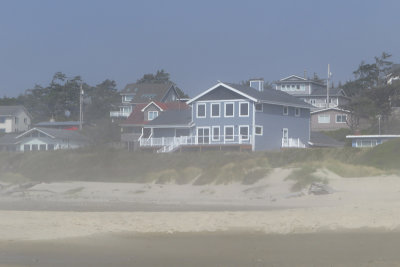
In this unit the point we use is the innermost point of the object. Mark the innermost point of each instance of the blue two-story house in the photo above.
(232, 115)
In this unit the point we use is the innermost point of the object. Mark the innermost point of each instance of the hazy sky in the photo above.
(197, 42)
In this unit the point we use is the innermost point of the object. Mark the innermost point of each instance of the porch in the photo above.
(170, 144)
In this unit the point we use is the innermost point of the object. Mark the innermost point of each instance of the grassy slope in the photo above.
(200, 168)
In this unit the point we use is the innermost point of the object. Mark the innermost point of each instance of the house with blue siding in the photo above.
(233, 115)
(362, 141)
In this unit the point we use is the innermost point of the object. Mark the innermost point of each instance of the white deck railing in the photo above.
(292, 142)
(169, 144)
(119, 114)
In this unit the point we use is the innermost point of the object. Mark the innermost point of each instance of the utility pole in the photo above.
(80, 107)
(327, 87)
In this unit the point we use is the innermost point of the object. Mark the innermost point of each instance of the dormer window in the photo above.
(151, 115)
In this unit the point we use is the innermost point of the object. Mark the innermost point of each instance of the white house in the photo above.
(43, 139)
(14, 119)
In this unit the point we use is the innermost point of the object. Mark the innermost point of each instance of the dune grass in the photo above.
(218, 167)
(304, 177)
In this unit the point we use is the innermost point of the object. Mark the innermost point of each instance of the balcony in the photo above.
(170, 144)
(323, 105)
(119, 114)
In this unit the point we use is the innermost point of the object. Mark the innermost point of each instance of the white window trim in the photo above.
(262, 129)
(233, 109)
(248, 132)
(295, 112)
(324, 115)
(240, 109)
(152, 111)
(337, 115)
(197, 110)
(233, 133)
(219, 110)
(287, 110)
(262, 107)
(212, 133)
(203, 128)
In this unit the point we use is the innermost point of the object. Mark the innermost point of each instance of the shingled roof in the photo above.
(12, 110)
(270, 96)
(137, 116)
(145, 92)
(176, 118)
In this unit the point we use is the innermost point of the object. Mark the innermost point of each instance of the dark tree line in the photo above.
(371, 94)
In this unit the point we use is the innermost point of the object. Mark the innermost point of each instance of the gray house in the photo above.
(312, 91)
(139, 93)
(232, 115)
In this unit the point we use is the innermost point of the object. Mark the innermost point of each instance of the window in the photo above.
(297, 112)
(16, 120)
(2, 120)
(367, 143)
(283, 87)
(27, 148)
(229, 110)
(324, 118)
(244, 132)
(215, 133)
(341, 118)
(203, 135)
(229, 133)
(244, 109)
(42, 147)
(259, 130)
(312, 101)
(2, 130)
(259, 107)
(285, 110)
(34, 147)
(151, 115)
(215, 110)
(201, 110)
(298, 87)
(50, 147)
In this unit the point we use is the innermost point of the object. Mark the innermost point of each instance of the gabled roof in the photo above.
(332, 92)
(12, 110)
(57, 134)
(137, 116)
(172, 118)
(145, 92)
(327, 109)
(269, 96)
(57, 123)
(294, 76)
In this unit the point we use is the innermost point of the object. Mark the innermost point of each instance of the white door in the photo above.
(285, 137)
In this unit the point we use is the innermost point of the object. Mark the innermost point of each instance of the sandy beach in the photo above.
(267, 214)
(74, 209)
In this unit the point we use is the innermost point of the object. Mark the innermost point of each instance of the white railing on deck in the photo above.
(169, 144)
(119, 114)
(292, 142)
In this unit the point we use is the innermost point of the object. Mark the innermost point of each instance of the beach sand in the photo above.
(264, 224)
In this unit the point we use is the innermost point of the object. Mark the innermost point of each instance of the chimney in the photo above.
(257, 84)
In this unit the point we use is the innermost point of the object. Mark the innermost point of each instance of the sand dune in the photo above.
(357, 204)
